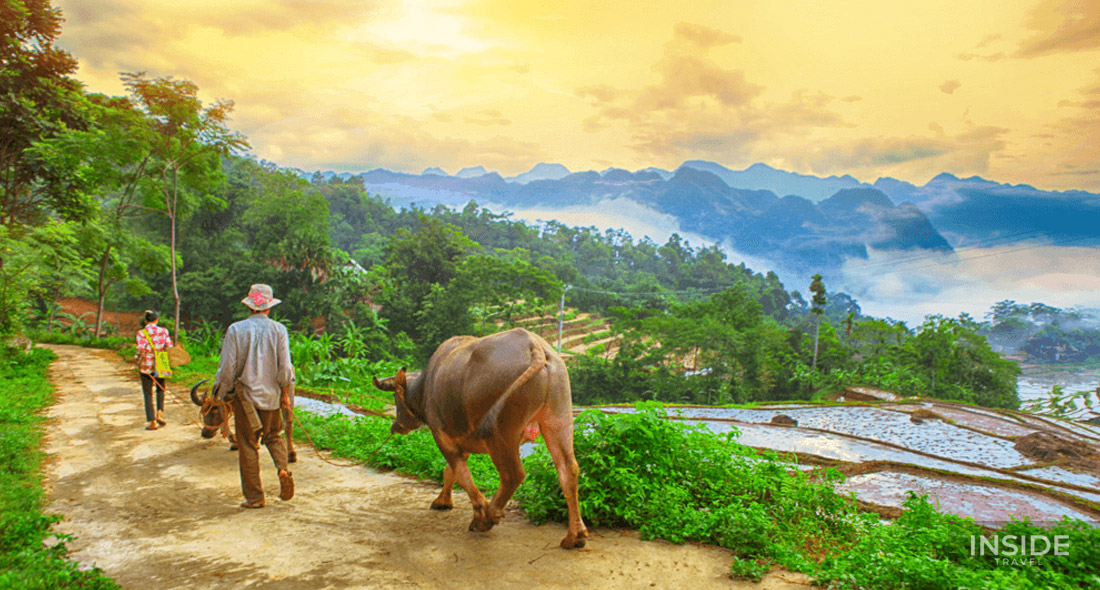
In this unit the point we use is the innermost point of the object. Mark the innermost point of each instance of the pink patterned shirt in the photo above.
(161, 341)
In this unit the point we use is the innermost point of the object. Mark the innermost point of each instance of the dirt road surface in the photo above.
(160, 510)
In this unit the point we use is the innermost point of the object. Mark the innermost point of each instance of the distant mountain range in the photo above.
(801, 223)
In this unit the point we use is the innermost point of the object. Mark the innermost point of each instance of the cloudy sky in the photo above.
(1008, 90)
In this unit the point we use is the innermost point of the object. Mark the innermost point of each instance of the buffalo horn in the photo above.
(195, 394)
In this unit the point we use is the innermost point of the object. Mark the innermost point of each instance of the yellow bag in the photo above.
(161, 365)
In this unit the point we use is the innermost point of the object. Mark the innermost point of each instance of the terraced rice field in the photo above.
(967, 458)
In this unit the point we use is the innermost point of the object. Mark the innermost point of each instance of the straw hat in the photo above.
(260, 297)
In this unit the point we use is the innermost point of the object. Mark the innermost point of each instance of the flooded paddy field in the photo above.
(987, 504)
(965, 455)
(964, 458)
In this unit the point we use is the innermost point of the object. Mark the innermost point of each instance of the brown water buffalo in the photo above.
(217, 416)
(478, 395)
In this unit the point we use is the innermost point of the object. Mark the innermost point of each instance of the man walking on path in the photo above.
(255, 369)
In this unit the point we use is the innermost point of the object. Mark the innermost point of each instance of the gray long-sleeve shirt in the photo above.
(256, 356)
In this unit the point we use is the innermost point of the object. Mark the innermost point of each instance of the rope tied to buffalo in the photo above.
(317, 451)
(209, 403)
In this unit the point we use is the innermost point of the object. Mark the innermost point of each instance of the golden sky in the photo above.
(1009, 90)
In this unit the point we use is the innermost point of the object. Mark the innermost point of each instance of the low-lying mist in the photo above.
(903, 285)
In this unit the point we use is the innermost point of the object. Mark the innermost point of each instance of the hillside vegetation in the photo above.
(683, 323)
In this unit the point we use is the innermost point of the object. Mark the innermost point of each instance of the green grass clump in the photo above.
(105, 342)
(928, 549)
(26, 561)
(682, 483)
(414, 454)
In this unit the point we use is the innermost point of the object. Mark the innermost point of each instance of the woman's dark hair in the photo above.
(150, 316)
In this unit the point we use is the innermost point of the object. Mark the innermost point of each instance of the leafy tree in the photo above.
(817, 287)
(42, 262)
(955, 362)
(417, 260)
(187, 144)
(113, 157)
(38, 99)
(288, 228)
(480, 283)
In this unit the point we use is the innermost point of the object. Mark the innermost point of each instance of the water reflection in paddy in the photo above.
(988, 505)
(933, 436)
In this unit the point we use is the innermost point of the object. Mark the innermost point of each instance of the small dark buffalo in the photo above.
(478, 395)
(217, 416)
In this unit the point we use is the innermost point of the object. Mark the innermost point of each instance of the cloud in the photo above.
(599, 92)
(687, 78)
(970, 56)
(971, 282)
(1082, 123)
(636, 219)
(355, 139)
(704, 37)
(698, 105)
(488, 117)
(969, 151)
(138, 35)
(950, 86)
(1062, 26)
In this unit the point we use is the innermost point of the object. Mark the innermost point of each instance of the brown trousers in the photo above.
(248, 446)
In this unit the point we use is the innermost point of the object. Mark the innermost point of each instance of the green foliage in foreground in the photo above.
(412, 454)
(681, 482)
(676, 482)
(25, 562)
(54, 337)
(926, 549)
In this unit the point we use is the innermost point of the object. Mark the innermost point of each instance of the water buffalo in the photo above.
(478, 395)
(216, 416)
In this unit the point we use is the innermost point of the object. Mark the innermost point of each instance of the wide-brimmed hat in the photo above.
(260, 297)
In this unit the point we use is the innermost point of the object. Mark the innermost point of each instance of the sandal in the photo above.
(151, 427)
(162, 422)
(256, 504)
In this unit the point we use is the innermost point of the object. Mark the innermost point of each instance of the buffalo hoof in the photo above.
(232, 447)
(575, 542)
(480, 525)
(437, 505)
(292, 457)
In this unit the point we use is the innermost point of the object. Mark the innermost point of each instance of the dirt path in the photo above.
(159, 509)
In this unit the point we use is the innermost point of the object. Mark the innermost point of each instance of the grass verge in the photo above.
(31, 556)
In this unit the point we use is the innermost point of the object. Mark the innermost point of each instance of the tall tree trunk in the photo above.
(817, 332)
(101, 290)
(175, 285)
(172, 220)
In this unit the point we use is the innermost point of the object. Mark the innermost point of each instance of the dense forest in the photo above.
(1044, 334)
(150, 201)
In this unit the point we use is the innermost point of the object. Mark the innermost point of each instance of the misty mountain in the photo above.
(541, 171)
(976, 211)
(782, 183)
(472, 172)
(793, 232)
(760, 212)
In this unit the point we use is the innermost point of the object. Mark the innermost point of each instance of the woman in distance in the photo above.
(151, 338)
